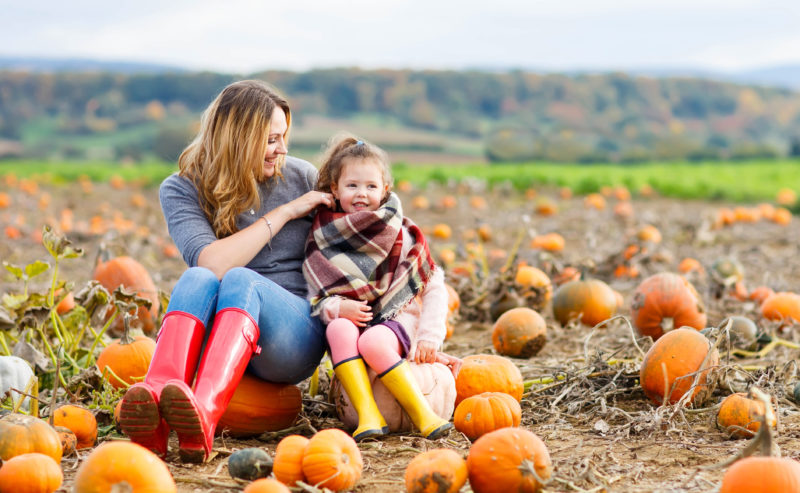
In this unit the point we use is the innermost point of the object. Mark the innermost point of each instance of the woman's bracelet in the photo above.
(269, 226)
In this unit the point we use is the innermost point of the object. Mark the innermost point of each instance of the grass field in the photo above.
(734, 181)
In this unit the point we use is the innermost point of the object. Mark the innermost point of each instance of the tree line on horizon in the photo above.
(516, 115)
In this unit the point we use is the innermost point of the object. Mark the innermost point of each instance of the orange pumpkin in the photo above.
(129, 273)
(530, 280)
(762, 475)
(743, 414)
(287, 465)
(760, 294)
(118, 464)
(546, 207)
(552, 242)
(30, 473)
(80, 420)
(649, 233)
(506, 459)
(665, 301)
(127, 359)
(786, 196)
(594, 201)
(480, 414)
(266, 485)
(488, 373)
(782, 216)
(519, 332)
(332, 460)
(442, 231)
(69, 442)
(690, 264)
(258, 406)
(566, 275)
(591, 300)
(672, 363)
(21, 434)
(436, 471)
(453, 304)
(782, 307)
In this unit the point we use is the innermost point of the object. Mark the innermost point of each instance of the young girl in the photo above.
(373, 282)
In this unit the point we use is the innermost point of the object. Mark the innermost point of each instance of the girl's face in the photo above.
(276, 145)
(360, 186)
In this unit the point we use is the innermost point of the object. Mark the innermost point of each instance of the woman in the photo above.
(239, 210)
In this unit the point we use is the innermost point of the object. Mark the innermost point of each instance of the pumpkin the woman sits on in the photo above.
(239, 211)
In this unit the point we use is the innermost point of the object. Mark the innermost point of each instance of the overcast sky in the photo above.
(243, 36)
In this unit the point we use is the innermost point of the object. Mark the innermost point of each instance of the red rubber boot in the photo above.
(194, 415)
(176, 355)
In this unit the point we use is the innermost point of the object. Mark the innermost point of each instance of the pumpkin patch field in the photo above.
(615, 341)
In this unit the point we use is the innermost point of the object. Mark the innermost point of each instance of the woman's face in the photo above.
(360, 187)
(276, 145)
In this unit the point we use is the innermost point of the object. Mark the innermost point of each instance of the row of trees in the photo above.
(517, 115)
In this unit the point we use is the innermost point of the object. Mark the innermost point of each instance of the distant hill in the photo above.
(34, 64)
(512, 115)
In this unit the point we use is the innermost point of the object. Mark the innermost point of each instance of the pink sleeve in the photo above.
(433, 316)
(329, 309)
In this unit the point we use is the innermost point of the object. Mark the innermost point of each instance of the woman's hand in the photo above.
(358, 312)
(303, 205)
(449, 361)
(425, 353)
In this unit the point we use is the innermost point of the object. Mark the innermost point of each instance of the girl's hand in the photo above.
(358, 312)
(449, 361)
(303, 205)
(426, 352)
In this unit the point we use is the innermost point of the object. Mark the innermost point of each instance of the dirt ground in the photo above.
(601, 431)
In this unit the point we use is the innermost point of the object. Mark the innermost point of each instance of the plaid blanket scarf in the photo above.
(358, 256)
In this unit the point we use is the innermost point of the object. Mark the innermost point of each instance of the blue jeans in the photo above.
(292, 341)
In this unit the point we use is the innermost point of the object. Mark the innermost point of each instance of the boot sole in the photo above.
(181, 415)
(139, 419)
(440, 431)
(376, 432)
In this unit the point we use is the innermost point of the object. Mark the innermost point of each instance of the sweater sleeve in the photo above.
(329, 308)
(186, 222)
(433, 315)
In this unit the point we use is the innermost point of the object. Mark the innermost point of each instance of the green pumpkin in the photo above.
(250, 464)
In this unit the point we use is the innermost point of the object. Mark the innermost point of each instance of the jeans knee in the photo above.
(236, 277)
(200, 278)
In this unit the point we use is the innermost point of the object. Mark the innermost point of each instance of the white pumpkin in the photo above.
(435, 380)
(15, 373)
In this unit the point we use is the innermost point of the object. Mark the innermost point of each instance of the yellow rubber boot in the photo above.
(403, 386)
(353, 375)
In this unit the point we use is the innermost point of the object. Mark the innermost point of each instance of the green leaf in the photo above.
(16, 271)
(93, 296)
(6, 322)
(14, 301)
(59, 246)
(36, 268)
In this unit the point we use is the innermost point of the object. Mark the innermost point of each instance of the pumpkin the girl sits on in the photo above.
(374, 284)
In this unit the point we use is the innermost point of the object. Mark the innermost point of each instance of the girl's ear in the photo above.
(334, 191)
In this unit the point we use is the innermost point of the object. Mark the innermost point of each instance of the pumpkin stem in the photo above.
(126, 322)
(528, 467)
(667, 324)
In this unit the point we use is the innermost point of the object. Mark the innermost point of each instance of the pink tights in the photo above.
(377, 344)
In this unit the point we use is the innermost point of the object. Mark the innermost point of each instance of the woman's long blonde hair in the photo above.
(226, 158)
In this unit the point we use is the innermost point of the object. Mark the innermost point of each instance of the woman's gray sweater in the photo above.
(191, 231)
